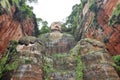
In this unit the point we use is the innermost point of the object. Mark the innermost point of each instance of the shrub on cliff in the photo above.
(4, 6)
(9, 61)
(115, 18)
(116, 59)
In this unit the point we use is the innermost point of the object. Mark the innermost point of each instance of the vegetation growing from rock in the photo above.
(16, 2)
(44, 29)
(115, 18)
(116, 59)
(64, 64)
(79, 68)
(9, 61)
(58, 66)
(43, 26)
(5, 6)
(91, 4)
(83, 3)
(72, 19)
(23, 10)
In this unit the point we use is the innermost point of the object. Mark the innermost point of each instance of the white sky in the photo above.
(53, 10)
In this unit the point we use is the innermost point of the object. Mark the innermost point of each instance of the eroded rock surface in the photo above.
(97, 61)
(94, 23)
(30, 59)
(10, 26)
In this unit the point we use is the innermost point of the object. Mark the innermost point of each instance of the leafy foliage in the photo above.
(91, 4)
(24, 11)
(44, 26)
(115, 18)
(44, 29)
(47, 67)
(16, 2)
(5, 6)
(78, 37)
(72, 19)
(9, 61)
(79, 69)
(116, 59)
(83, 2)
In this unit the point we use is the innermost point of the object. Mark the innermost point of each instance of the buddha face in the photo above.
(55, 26)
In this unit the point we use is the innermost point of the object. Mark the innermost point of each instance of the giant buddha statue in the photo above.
(57, 41)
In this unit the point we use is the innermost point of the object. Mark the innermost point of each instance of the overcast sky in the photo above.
(53, 10)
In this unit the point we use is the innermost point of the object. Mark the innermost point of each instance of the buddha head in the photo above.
(55, 26)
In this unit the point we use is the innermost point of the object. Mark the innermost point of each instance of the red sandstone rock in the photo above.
(114, 42)
(10, 29)
(108, 34)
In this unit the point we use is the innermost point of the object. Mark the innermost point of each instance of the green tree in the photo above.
(44, 29)
(39, 22)
(116, 59)
(23, 12)
(72, 19)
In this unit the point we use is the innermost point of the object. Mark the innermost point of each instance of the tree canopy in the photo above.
(71, 22)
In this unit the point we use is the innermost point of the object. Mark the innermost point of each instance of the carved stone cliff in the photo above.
(10, 26)
(56, 41)
(30, 59)
(99, 19)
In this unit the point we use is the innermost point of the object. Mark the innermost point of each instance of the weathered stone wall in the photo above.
(96, 61)
(30, 59)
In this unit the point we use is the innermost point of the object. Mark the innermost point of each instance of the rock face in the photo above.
(57, 42)
(12, 29)
(57, 61)
(59, 67)
(97, 61)
(30, 59)
(36, 65)
(94, 23)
